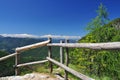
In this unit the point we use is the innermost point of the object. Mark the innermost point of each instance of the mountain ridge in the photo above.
(8, 42)
(36, 36)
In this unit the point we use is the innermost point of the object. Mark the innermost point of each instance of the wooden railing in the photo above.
(21, 49)
(18, 50)
(66, 45)
(95, 46)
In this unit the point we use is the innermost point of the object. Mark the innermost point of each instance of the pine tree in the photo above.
(100, 20)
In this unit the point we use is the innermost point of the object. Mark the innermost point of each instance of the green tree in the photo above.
(102, 64)
(100, 20)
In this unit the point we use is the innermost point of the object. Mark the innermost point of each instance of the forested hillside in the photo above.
(102, 65)
(10, 43)
(6, 67)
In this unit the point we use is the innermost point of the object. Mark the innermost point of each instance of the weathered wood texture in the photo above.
(75, 73)
(67, 54)
(25, 48)
(17, 57)
(97, 46)
(36, 45)
(50, 55)
(8, 56)
(61, 53)
(31, 63)
(66, 60)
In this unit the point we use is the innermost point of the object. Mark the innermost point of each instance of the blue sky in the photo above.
(57, 17)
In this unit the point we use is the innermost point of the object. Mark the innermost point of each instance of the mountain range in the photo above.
(8, 42)
(44, 36)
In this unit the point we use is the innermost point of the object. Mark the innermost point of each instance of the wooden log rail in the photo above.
(25, 48)
(31, 63)
(95, 46)
(75, 73)
(44, 43)
(8, 56)
(21, 49)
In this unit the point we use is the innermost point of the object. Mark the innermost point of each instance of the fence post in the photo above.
(17, 57)
(50, 55)
(61, 53)
(66, 60)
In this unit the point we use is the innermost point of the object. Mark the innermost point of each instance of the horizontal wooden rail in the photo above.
(32, 46)
(8, 56)
(97, 46)
(44, 43)
(77, 74)
(31, 63)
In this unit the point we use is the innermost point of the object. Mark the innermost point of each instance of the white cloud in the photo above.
(44, 36)
(61, 36)
(20, 35)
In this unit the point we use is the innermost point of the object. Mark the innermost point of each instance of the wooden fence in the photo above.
(66, 45)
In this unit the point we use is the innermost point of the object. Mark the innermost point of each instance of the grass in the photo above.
(43, 68)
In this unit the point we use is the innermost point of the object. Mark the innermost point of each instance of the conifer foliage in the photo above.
(100, 20)
(103, 64)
